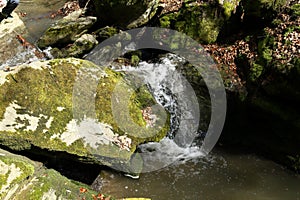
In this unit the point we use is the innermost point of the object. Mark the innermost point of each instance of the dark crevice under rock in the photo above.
(68, 165)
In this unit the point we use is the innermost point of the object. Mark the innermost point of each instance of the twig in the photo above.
(85, 7)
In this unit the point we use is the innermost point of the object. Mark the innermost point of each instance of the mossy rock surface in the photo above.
(42, 105)
(80, 47)
(201, 22)
(21, 178)
(66, 31)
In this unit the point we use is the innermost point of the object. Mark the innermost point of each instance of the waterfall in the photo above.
(174, 93)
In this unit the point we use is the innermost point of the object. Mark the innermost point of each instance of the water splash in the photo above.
(24, 56)
(167, 151)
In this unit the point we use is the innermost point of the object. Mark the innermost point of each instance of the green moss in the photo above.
(295, 162)
(40, 92)
(14, 142)
(3, 180)
(37, 182)
(48, 180)
(209, 30)
(106, 32)
(265, 58)
(201, 22)
(45, 91)
(295, 10)
(229, 6)
(168, 20)
(25, 167)
(267, 55)
(135, 60)
(65, 31)
(139, 99)
(256, 71)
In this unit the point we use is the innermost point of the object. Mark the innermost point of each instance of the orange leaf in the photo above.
(83, 190)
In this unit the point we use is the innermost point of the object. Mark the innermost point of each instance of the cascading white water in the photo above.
(162, 80)
(176, 172)
(24, 56)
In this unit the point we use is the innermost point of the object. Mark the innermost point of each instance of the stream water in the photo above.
(37, 15)
(221, 175)
(185, 173)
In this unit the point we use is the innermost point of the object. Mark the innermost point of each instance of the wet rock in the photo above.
(81, 46)
(66, 31)
(21, 178)
(43, 106)
(10, 46)
(106, 32)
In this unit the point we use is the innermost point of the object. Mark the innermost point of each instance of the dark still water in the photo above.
(222, 176)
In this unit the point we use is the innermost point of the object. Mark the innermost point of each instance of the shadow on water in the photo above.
(221, 176)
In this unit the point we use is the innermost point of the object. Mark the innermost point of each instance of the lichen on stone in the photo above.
(39, 107)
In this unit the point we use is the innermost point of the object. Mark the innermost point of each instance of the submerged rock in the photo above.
(44, 104)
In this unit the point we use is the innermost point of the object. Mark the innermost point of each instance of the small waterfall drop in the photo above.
(162, 80)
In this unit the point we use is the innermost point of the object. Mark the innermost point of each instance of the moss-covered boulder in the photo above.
(21, 178)
(106, 32)
(81, 46)
(201, 21)
(45, 105)
(66, 31)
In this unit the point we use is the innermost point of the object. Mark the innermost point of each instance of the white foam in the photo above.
(167, 85)
(167, 152)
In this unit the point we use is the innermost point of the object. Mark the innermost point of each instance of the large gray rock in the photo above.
(21, 178)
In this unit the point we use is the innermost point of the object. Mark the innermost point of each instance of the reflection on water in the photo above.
(222, 176)
(37, 15)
